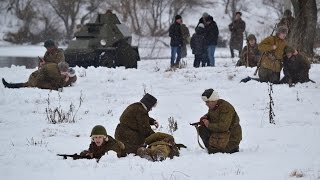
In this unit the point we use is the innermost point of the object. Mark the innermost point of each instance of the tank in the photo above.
(105, 42)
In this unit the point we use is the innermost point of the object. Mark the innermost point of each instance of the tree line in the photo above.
(58, 19)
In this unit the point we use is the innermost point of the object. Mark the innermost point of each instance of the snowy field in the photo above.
(30, 143)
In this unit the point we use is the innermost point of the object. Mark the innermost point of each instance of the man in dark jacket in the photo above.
(237, 27)
(135, 124)
(176, 42)
(220, 130)
(211, 36)
(295, 67)
(198, 46)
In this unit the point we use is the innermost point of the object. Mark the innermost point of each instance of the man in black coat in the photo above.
(176, 41)
(211, 36)
(198, 46)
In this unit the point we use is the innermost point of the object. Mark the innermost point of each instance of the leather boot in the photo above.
(12, 85)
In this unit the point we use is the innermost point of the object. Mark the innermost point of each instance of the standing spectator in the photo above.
(211, 36)
(237, 27)
(186, 38)
(202, 19)
(198, 46)
(287, 20)
(176, 41)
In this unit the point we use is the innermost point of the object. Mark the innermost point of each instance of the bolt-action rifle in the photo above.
(74, 156)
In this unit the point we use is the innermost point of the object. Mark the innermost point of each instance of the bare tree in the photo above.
(231, 7)
(25, 12)
(303, 32)
(69, 11)
(150, 13)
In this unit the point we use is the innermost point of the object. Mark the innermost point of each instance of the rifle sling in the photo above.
(197, 128)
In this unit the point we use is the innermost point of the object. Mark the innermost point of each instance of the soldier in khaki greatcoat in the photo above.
(51, 76)
(220, 130)
(135, 124)
(159, 147)
(272, 49)
(53, 54)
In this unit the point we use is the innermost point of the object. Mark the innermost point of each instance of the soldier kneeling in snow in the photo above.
(51, 76)
(295, 67)
(159, 147)
(102, 143)
(220, 130)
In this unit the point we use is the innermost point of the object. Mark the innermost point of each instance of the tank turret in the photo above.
(105, 42)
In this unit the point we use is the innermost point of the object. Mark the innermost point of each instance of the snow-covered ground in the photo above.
(30, 143)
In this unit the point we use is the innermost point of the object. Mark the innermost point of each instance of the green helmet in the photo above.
(251, 37)
(98, 130)
(288, 49)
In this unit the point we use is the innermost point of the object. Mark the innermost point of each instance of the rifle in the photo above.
(259, 62)
(74, 156)
(196, 125)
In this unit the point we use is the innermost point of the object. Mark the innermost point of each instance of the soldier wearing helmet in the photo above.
(295, 67)
(272, 49)
(250, 54)
(101, 143)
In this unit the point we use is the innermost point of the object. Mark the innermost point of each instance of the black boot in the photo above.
(12, 85)
(246, 79)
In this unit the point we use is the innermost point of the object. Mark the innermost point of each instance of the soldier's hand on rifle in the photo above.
(203, 117)
(295, 52)
(86, 154)
(274, 47)
(205, 122)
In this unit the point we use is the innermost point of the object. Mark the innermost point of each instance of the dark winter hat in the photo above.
(49, 43)
(239, 13)
(98, 130)
(251, 37)
(282, 29)
(177, 17)
(288, 49)
(210, 95)
(205, 14)
(149, 101)
(287, 12)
